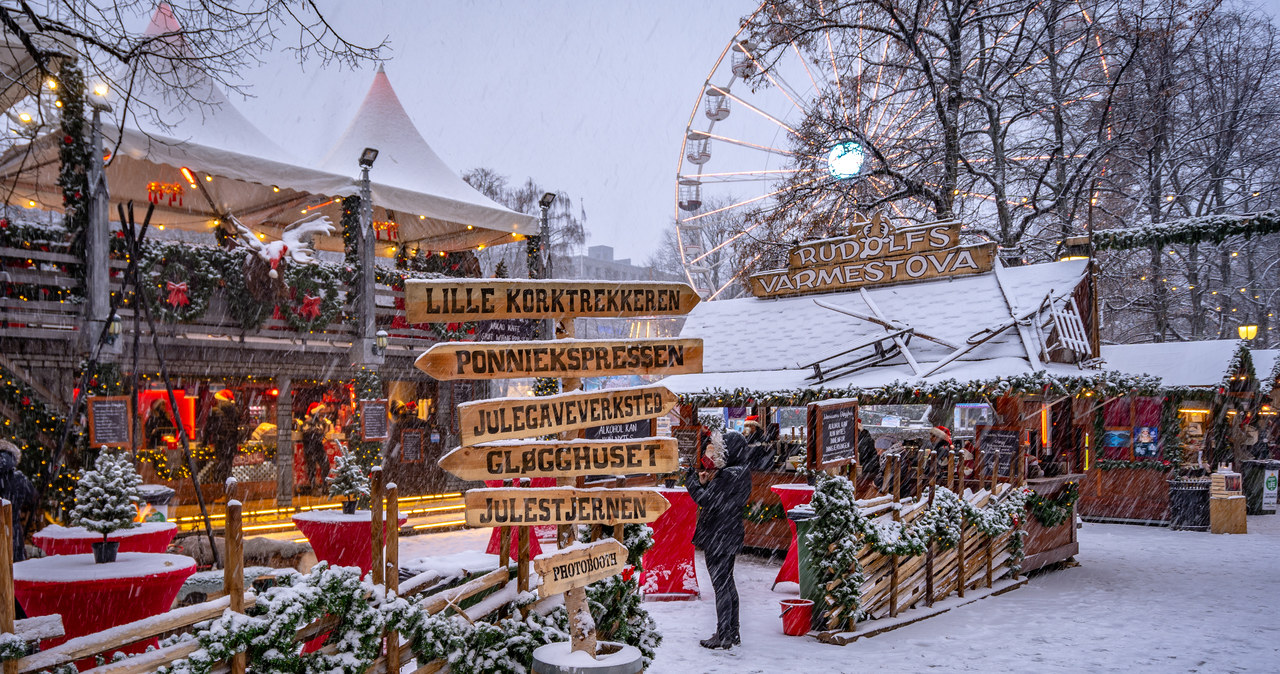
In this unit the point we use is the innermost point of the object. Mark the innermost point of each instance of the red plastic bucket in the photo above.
(797, 614)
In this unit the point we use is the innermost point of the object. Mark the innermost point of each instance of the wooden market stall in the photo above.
(1194, 415)
(948, 348)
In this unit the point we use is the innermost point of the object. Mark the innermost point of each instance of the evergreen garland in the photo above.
(763, 512)
(75, 155)
(1209, 228)
(350, 225)
(366, 385)
(244, 308)
(1051, 512)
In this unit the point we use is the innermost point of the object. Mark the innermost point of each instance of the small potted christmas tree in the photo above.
(106, 501)
(348, 481)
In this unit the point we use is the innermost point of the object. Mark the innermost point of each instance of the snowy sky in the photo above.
(587, 97)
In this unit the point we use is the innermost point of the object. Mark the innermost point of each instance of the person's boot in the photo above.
(715, 642)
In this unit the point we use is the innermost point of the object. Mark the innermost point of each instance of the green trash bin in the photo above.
(1260, 486)
(803, 518)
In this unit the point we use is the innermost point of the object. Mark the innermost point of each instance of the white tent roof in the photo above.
(766, 344)
(261, 183)
(1175, 363)
(407, 165)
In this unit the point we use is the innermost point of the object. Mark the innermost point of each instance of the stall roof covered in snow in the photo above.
(767, 345)
(1197, 364)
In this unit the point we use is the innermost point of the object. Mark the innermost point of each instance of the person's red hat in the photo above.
(225, 394)
(754, 417)
(313, 407)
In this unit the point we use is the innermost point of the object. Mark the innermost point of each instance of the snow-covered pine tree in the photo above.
(106, 496)
(348, 481)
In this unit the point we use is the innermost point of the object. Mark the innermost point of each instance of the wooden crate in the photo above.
(1227, 515)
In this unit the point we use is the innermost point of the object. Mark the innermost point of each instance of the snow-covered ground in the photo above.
(1142, 600)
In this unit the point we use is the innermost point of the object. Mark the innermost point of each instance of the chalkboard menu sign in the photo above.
(411, 443)
(642, 428)
(834, 440)
(373, 420)
(997, 442)
(110, 423)
(508, 330)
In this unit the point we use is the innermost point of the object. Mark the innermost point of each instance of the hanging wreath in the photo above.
(179, 280)
(313, 297)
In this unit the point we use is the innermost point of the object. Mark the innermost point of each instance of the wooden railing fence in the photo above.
(386, 571)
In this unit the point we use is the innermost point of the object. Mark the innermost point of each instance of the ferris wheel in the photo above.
(790, 139)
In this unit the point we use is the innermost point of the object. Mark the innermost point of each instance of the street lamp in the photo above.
(369, 156)
(544, 235)
(1247, 332)
(380, 342)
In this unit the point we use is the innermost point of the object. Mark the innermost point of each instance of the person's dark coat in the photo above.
(869, 467)
(18, 490)
(762, 449)
(720, 501)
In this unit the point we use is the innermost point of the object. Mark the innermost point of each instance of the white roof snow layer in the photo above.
(767, 343)
(1175, 363)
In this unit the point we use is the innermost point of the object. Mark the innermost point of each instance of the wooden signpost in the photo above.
(524, 417)
(875, 254)
(501, 507)
(500, 436)
(110, 421)
(513, 460)
(576, 358)
(579, 566)
(449, 300)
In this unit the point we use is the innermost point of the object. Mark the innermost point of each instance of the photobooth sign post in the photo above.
(522, 437)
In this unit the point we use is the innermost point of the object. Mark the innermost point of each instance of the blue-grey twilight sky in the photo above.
(587, 96)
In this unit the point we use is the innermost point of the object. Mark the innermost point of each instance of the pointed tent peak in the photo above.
(382, 70)
(163, 21)
(405, 159)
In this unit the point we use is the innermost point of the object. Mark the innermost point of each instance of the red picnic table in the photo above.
(668, 565)
(341, 540)
(791, 495)
(149, 537)
(94, 597)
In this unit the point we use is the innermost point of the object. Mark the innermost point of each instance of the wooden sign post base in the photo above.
(582, 627)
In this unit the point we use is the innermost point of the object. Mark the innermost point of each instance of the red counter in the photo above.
(93, 597)
(150, 537)
(341, 540)
(668, 566)
(791, 495)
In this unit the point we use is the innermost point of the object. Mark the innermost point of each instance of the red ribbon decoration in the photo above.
(310, 308)
(177, 294)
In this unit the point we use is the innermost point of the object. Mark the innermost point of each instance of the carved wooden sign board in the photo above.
(516, 459)
(561, 358)
(501, 507)
(579, 566)
(876, 255)
(524, 417)
(501, 437)
(451, 300)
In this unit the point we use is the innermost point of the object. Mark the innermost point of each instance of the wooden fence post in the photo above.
(6, 577)
(393, 570)
(893, 569)
(233, 568)
(375, 507)
(928, 560)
